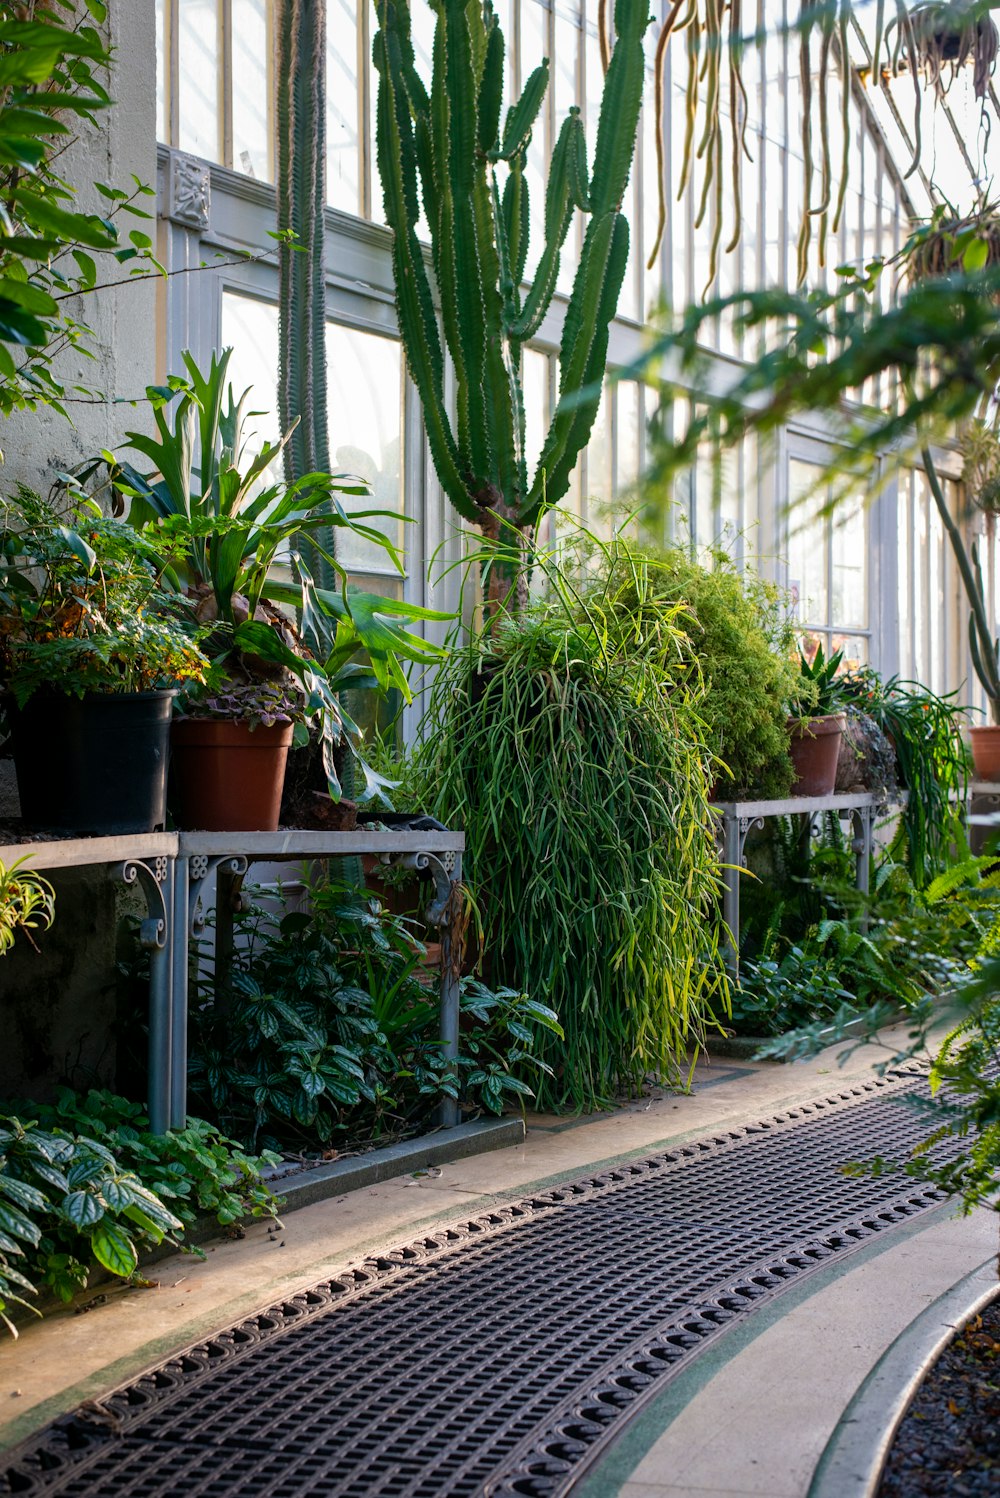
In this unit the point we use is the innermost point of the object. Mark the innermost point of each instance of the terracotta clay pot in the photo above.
(985, 742)
(815, 748)
(227, 776)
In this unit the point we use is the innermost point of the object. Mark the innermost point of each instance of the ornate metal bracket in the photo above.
(152, 879)
(862, 822)
(200, 867)
(440, 870)
(744, 828)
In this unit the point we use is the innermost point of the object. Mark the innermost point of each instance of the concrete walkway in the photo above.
(753, 1413)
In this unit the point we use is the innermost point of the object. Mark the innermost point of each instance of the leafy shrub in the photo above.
(961, 1150)
(197, 1170)
(579, 771)
(65, 1202)
(740, 631)
(82, 1181)
(329, 1034)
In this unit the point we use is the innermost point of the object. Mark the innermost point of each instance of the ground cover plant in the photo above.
(83, 1182)
(579, 770)
(328, 1034)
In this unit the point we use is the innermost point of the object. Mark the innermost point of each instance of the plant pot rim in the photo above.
(984, 728)
(819, 723)
(233, 726)
(148, 694)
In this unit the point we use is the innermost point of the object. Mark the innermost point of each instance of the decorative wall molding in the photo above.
(189, 191)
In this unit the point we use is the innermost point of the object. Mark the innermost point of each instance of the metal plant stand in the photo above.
(737, 818)
(172, 869)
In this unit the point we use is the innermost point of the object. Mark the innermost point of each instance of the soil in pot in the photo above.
(94, 765)
(814, 744)
(227, 776)
(985, 743)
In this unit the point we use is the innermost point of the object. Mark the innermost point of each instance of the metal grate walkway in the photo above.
(497, 1356)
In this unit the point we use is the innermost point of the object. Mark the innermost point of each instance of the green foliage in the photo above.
(54, 64)
(924, 730)
(820, 688)
(940, 339)
(66, 1203)
(579, 771)
(773, 997)
(196, 1170)
(222, 522)
(27, 903)
(961, 1150)
(740, 634)
(81, 608)
(442, 151)
(329, 1034)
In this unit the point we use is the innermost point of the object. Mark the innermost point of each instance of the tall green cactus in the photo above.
(445, 148)
(301, 143)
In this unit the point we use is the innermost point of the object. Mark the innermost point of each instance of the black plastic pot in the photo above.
(93, 765)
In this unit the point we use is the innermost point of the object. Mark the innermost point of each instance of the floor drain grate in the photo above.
(498, 1354)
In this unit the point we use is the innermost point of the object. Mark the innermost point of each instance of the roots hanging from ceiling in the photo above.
(929, 42)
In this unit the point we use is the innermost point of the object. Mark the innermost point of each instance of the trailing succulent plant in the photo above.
(443, 148)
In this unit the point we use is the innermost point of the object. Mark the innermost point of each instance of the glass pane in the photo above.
(251, 89)
(599, 472)
(855, 648)
(920, 576)
(364, 402)
(250, 329)
(199, 78)
(807, 544)
(627, 442)
(343, 148)
(849, 543)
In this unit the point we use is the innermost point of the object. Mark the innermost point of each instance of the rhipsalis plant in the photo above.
(444, 149)
(301, 145)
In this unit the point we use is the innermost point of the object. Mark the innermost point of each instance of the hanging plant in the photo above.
(929, 43)
(951, 242)
(937, 39)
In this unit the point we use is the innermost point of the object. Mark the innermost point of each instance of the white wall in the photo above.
(122, 144)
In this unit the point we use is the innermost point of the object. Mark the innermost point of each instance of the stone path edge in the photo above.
(851, 1465)
(611, 1466)
(320, 1182)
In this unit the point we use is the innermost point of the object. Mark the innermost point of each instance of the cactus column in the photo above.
(301, 162)
(443, 148)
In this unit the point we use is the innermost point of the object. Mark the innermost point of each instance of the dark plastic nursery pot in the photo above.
(94, 765)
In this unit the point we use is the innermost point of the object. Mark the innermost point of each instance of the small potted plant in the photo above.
(214, 503)
(92, 651)
(230, 747)
(816, 724)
